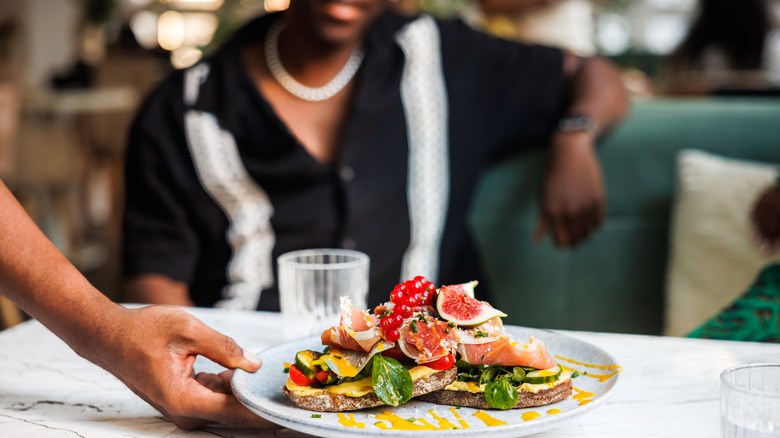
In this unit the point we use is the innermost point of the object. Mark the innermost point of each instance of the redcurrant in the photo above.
(403, 310)
(392, 335)
(386, 322)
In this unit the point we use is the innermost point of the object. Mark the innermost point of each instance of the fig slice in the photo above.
(457, 304)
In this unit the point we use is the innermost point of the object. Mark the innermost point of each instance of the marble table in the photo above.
(669, 387)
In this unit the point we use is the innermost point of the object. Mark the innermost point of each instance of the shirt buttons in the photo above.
(347, 174)
(348, 243)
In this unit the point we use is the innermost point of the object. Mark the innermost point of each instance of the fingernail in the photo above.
(248, 355)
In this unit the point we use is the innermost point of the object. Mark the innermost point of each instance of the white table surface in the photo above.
(669, 386)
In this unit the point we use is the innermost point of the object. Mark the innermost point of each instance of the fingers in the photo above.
(539, 230)
(203, 406)
(216, 382)
(222, 349)
(572, 229)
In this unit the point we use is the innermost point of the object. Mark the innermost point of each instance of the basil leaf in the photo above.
(463, 366)
(391, 381)
(501, 394)
(517, 376)
(488, 375)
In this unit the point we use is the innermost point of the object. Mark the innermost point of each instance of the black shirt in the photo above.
(498, 96)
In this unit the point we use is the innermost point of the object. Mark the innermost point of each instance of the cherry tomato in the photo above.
(323, 376)
(392, 335)
(442, 363)
(299, 378)
(403, 310)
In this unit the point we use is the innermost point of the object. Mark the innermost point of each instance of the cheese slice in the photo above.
(358, 388)
(527, 387)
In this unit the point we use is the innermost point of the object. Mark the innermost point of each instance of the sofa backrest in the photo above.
(614, 282)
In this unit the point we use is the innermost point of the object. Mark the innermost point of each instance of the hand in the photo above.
(766, 220)
(573, 199)
(152, 351)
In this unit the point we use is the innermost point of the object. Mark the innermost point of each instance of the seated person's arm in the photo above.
(157, 289)
(573, 201)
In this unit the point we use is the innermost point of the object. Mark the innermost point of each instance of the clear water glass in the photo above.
(750, 401)
(311, 284)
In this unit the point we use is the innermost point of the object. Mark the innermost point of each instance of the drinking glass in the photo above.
(311, 283)
(750, 401)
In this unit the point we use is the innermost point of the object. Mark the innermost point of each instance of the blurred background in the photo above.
(73, 72)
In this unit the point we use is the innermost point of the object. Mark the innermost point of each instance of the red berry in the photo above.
(386, 322)
(397, 296)
(392, 335)
(410, 300)
(429, 297)
(397, 320)
(403, 310)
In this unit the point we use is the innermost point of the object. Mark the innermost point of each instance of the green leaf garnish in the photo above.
(501, 394)
(391, 381)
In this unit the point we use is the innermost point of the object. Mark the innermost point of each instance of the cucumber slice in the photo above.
(543, 376)
(303, 361)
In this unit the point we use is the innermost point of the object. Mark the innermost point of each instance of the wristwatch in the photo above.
(576, 123)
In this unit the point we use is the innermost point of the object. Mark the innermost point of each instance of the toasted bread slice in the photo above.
(526, 399)
(324, 401)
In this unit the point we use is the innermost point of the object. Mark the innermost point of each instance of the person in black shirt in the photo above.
(340, 124)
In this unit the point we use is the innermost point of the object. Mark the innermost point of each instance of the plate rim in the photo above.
(513, 429)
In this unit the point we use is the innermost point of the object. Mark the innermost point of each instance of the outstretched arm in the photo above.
(573, 201)
(151, 350)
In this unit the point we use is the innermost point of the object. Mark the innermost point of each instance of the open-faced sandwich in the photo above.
(494, 370)
(443, 346)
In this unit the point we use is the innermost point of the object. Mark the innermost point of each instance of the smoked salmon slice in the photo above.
(506, 352)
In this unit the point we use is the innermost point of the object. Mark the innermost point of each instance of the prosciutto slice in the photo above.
(506, 352)
(357, 329)
(432, 340)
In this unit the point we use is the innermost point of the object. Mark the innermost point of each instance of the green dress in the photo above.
(755, 316)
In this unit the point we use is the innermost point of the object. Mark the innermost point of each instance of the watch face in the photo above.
(576, 123)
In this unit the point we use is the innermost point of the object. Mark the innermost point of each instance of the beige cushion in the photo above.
(712, 258)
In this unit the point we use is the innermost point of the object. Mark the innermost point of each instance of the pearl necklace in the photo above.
(296, 88)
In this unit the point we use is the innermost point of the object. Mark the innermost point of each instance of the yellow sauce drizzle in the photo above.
(582, 396)
(488, 420)
(460, 419)
(398, 423)
(554, 411)
(601, 377)
(530, 415)
(350, 422)
(601, 367)
(443, 422)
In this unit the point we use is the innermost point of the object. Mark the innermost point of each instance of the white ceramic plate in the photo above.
(262, 393)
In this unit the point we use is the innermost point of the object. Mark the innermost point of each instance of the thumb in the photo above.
(223, 350)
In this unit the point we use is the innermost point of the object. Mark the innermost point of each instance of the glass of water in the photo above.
(750, 401)
(312, 282)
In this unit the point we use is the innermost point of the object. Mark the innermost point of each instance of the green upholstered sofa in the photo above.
(615, 282)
